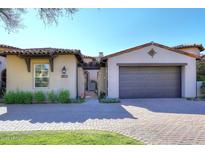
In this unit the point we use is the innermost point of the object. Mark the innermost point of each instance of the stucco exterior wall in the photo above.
(162, 56)
(92, 74)
(101, 80)
(19, 78)
(81, 82)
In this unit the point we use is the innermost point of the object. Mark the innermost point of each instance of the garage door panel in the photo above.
(149, 82)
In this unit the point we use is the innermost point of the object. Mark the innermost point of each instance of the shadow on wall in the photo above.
(177, 106)
(65, 113)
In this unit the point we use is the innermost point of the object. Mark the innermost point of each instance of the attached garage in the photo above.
(149, 82)
(151, 70)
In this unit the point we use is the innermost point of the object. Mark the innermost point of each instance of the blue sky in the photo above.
(111, 30)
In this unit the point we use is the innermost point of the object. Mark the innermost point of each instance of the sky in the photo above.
(110, 30)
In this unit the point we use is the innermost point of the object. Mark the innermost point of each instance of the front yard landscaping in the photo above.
(80, 137)
(27, 97)
(109, 100)
(102, 99)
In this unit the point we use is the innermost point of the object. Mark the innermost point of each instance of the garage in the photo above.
(149, 81)
(151, 70)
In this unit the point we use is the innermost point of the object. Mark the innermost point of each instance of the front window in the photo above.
(41, 75)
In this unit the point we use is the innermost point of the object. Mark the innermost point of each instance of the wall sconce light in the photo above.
(64, 70)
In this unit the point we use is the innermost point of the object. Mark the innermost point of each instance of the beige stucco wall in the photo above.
(92, 74)
(81, 82)
(162, 56)
(101, 80)
(19, 78)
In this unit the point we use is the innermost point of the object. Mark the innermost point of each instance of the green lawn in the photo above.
(81, 137)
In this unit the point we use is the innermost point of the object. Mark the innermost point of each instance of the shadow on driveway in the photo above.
(177, 106)
(65, 113)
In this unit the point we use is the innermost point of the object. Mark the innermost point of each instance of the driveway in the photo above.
(154, 121)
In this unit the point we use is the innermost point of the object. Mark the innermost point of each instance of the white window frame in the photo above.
(34, 75)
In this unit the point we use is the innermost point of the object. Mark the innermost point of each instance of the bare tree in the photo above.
(12, 18)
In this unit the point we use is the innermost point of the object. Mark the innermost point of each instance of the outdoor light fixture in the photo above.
(64, 70)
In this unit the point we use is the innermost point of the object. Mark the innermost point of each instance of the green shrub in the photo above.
(39, 96)
(52, 96)
(64, 96)
(9, 97)
(28, 97)
(200, 77)
(78, 100)
(19, 97)
(109, 100)
(102, 95)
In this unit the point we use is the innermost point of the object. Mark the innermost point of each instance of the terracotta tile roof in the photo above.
(84, 56)
(149, 44)
(8, 46)
(199, 46)
(42, 52)
(202, 56)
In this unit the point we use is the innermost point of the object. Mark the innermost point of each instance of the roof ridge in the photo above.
(146, 45)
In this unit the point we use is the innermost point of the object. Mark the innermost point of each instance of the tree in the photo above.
(12, 18)
(200, 67)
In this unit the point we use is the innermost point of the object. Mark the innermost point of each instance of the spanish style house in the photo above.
(150, 70)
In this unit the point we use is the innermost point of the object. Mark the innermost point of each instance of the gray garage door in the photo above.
(149, 82)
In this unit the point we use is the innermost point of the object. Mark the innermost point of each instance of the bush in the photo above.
(28, 97)
(39, 96)
(78, 100)
(102, 95)
(200, 77)
(64, 96)
(9, 97)
(109, 100)
(19, 97)
(52, 96)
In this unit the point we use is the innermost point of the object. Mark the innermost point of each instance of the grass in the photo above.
(80, 137)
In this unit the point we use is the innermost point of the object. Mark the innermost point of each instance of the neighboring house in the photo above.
(45, 69)
(3, 64)
(151, 70)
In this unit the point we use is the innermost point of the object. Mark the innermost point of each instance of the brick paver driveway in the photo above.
(154, 121)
